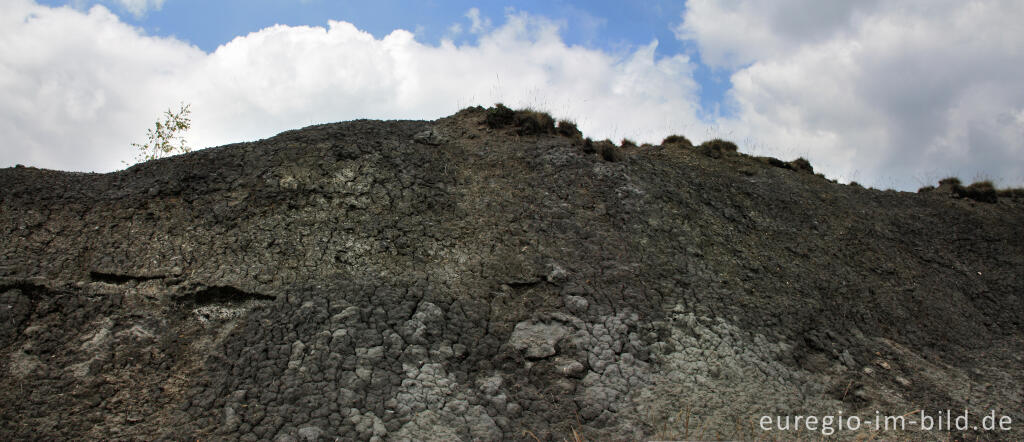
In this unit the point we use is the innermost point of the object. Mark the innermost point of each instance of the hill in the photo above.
(491, 275)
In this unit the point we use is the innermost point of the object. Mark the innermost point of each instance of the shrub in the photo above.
(801, 165)
(717, 147)
(470, 110)
(982, 191)
(531, 122)
(526, 121)
(727, 146)
(608, 151)
(166, 136)
(951, 181)
(626, 142)
(1011, 193)
(568, 128)
(677, 140)
(588, 146)
(499, 116)
(775, 162)
(926, 189)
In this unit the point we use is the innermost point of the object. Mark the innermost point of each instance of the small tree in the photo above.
(166, 137)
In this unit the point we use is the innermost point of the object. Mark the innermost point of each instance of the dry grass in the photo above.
(676, 140)
(982, 191)
(568, 128)
(576, 435)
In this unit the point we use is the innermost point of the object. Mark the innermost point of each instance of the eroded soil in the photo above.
(449, 280)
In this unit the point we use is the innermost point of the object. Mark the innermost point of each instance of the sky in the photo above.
(891, 94)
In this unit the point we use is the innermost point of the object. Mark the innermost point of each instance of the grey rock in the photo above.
(556, 274)
(537, 340)
(576, 304)
(490, 385)
(428, 137)
(310, 433)
(569, 367)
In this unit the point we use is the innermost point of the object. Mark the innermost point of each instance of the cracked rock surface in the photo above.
(446, 279)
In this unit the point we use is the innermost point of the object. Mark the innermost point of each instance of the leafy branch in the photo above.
(166, 137)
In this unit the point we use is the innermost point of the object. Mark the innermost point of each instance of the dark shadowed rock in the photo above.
(480, 276)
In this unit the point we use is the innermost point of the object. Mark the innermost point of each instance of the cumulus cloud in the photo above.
(738, 32)
(138, 8)
(477, 24)
(75, 99)
(454, 30)
(76, 87)
(892, 94)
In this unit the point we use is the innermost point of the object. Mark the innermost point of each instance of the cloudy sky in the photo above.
(892, 94)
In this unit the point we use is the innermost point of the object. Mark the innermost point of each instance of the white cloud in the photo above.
(75, 99)
(138, 8)
(454, 30)
(892, 94)
(76, 87)
(477, 25)
(736, 32)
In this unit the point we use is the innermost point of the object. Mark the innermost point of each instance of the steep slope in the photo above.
(483, 277)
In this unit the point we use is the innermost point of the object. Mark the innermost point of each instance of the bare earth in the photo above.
(453, 280)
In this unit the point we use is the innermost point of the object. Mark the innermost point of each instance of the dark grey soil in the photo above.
(453, 280)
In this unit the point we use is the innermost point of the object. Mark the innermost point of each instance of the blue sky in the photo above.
(888, 94)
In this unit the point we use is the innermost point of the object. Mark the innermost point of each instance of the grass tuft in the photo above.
(801, 165)
(531, 122)
(608, 151)
(1011, 193)
(982, 191)
(951, 181)
(676, 140)
(525, 121)
(499, 116)
(568, 128)
(588, 146)
(717, 147)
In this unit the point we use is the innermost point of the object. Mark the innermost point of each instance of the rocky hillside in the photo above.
(492, 276)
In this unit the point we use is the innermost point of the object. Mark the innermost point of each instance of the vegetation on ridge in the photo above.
(529, 121)
(166, 137)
